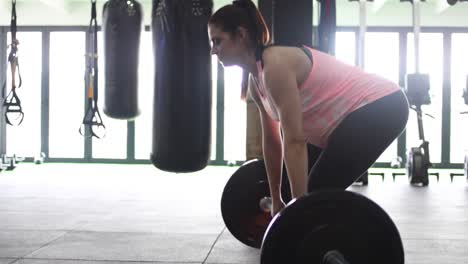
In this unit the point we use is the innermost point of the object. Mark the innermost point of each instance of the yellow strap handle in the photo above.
(91, 87)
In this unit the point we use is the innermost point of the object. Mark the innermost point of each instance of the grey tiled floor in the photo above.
(98, 214)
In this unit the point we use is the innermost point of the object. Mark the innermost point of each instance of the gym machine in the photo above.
(417, 87)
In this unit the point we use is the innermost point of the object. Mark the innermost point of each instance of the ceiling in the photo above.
(379, 12)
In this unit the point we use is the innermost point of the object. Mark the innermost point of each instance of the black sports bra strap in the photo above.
(308, 53)
(259, 52)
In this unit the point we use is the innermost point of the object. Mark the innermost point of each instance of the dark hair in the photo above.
(243, 13)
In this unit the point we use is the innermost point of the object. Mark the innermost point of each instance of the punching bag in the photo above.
(182, 87)
(121, 26)
(292, 22)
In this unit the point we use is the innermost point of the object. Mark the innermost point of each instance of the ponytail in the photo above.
(258, 29)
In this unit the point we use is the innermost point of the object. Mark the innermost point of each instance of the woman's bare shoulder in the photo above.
(290, 60)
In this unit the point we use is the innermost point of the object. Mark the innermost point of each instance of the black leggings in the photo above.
(357, 143)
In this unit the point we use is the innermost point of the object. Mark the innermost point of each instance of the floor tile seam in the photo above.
(14, 261)
(36, 229)
(435, 239)
(104, 260)
(64, 233)
(79, 230)
(71, 228)
(213, 245)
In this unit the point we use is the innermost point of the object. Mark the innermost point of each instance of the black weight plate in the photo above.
(417, 171)
(240, 203)
(332, 220)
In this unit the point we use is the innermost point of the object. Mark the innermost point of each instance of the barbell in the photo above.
(329, 227)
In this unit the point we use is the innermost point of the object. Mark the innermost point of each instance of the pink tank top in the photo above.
(332, 90)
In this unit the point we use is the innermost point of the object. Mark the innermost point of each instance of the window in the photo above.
(67, 91)
(430, 62)
(345, 49)
(25, 140)
(214, 106)
(385, 64)
(144, 122)
(235, 118)
(459, 123)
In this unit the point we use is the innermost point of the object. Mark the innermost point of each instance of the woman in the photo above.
(306, 97)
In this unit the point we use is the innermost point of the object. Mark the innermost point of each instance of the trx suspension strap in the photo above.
(92, 125)
(12, 103)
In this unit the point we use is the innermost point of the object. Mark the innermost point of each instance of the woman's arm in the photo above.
(271, 146)
(280, 81)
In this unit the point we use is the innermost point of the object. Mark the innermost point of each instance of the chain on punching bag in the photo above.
(182, 97)
(121, 26)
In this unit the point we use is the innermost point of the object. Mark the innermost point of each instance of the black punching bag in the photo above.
(292, 22)
(182, 96)
(121, 25)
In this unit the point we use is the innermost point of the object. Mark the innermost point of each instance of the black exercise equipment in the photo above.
(9, 163)
(183, 85)
(12, 102)
(236, 214)
(321, 227)
(332, 227)
(292, 32)
(242, 207)
(417, 89)
(92, 124)
(121, 26)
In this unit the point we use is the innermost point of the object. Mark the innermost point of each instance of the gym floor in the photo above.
(93, 214)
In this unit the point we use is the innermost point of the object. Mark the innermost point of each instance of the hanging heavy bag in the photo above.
(121, 26)
(182, 97)
(292, 22)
